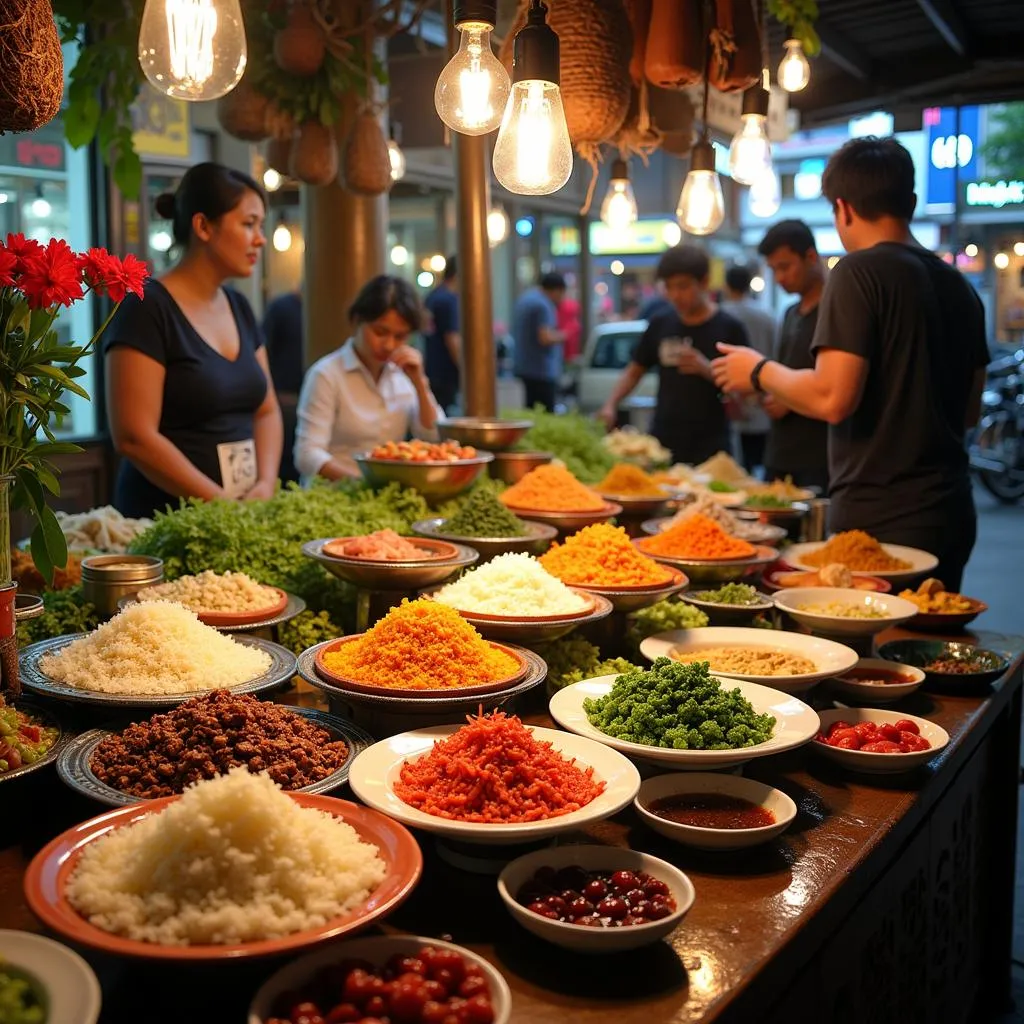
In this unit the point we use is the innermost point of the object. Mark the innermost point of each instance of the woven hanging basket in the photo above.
(672, 115)
(31, 65)
(365, 163)
(243, 112)
(314, 154)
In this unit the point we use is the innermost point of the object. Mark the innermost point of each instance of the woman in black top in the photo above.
(191, 406)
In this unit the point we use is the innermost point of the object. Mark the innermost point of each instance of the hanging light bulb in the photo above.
(765, 195)
(750, 153)
(282, 237)
(397, 158)
(497, 226)
(271, 179)
(618, 210)
(533, 154)
(701, 208)
(472, 89)
(794, 71)
(192, 49)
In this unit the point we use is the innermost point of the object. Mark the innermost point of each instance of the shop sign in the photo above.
(995, 194)
(952, 151)
(41, 150)
(565, 240)
(161, 125)
(642, 237)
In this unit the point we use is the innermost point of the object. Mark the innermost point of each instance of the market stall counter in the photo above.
(889, 898)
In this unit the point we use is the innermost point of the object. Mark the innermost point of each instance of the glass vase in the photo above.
(8, 589)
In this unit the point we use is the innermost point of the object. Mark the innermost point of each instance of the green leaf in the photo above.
(48, 480)
(33, 491)
(127, 172)
(51, 448)
(81, 120)
(53, 538)
(40, 555)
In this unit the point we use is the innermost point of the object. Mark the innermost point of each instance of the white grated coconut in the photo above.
(210, 591)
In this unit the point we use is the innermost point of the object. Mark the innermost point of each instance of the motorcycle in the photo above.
(997, 448)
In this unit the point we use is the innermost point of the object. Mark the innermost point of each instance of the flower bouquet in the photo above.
(36, 372)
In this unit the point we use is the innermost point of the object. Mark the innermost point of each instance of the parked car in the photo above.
(604, 357)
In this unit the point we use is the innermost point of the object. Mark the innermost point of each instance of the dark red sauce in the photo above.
(712, 810)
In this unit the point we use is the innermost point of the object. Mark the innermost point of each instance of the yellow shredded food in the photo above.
(630, 481)
(603, 556)
(552, 488)
(421, 645)
(858, 551)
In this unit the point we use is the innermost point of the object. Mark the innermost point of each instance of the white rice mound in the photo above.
(154, 648)
(515, 585)
(234, 860)
(210, 591)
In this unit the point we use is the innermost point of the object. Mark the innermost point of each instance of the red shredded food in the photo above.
(493, 770)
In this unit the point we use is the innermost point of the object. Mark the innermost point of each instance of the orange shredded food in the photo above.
(858, 551)
(603, 556)
(697, 537)
(630, 481)
(494, 771)
(552, 488)
(421, 645)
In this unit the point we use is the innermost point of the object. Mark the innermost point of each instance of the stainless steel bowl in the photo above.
(717, 570)
(394, 576)
(537, 540)
(634, 599)
(493, 435)
(436, 481)
(570, 522)
(511, 467)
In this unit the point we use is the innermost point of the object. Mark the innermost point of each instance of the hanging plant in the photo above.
(799, 17)
(365, 163)
(31, 65)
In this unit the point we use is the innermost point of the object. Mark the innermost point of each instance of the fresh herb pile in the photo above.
(663, 616)
(730, 593)
(483, 515)
(573, 658)
(573, 438)
(65, 612)
(768, 501)
(680, 707)
(721, 487)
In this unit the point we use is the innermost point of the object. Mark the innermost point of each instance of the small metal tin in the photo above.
(106, 579)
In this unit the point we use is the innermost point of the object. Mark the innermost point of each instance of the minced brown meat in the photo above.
(205, 736)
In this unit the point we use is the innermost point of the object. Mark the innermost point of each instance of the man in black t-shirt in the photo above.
(797, 445)
(900, 359)
(689, 417)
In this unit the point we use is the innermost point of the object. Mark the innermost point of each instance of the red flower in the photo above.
(8, 266)
(23, 248)
(95, 266)
(110, 275)
(51, 276)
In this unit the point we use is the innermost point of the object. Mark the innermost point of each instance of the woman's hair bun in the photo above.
(164, 205)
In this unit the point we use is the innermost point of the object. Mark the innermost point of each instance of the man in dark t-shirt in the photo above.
(900, 359)
(689, 416)
(797, 445)
(443, 342)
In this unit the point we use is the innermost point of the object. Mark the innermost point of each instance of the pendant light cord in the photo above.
(706, 35)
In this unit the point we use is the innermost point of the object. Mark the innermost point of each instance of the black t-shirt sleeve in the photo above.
(847, 317)
(646, 350)
(737, 334)
(140, 324)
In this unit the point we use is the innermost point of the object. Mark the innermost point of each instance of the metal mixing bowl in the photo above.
(537, 540)
(436, 481)
(494, 435)
(511, 467)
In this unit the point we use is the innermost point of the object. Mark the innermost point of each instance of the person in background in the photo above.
(443, 342)
(371, 390)
(797, 445)
(900, 358)
(655, 304)
(751, 421)
(689, 415)
(571, 327)
(538, 353)
(282, 329)
(190, 402)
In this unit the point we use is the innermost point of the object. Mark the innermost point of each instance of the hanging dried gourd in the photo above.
(314, 154)
(735, 42)
(365, 163)
(672, 116)
(300, 47)
(281, 128)
(674, 56)
(31, 65)
(279, 154)
(639, 12)
(638, 135)
(243, 112)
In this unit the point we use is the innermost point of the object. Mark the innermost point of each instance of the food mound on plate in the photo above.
(630, 444)
(493, 771)
(681, 707)
(515, 585)
(730, 594)
(725, 469)
(154, 648)
(482, 515)
(206, 737)
(233, 860)
(843, 610)
(423, 451)
(932, 598)
(101, 529)
(782, 490)
(421, 645)
(552, 488)
(749, 661)
(697, 537)
(381, 546)
(22, 740)
(603, 556)
(858, 551)
(210, 591)
(629, 481)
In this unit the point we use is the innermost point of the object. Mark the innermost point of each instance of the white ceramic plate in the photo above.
(829, 657)
(879, 764)
(795, 724)
(374, 772)
(891, 610)
(661, 786)
(878, 693)
(67, 980)
(920, 561)
(377, 949)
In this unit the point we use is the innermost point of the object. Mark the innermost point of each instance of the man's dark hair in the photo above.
(788, 234)
(384, 293)
(451, 268)
(552, 282)
(683, 259)
(738, 278)
(875, 176)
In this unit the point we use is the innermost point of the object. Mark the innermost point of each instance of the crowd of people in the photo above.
(864, 390)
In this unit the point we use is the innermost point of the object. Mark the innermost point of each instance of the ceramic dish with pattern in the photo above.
(968, 668)
(42, 717)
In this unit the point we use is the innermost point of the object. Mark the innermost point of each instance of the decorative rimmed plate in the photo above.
(46, 718)
(583, 613)
(886, 609)
(921, 653)
(400, 576)
(796, 723)
(919, 561)
(569, 522)
(377, 949)
(879, 764)
(64, 980)
(375, 771)
(531, 630)
(47, 877)
(850, 687)
(354, 686)
(282, 668)
(537, 540)
(433, 551)
(715, 570)
(75, 770)
(633, 599)
(293, 606)
(829, 658)
(790, 579)
(940, 622)
(755, 532)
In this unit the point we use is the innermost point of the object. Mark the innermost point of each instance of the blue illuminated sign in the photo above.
(952, 152)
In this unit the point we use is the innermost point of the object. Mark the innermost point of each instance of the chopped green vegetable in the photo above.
(573, 438)
(680, 707)
(663, 616)
(483, 515)
(767, 501)
(730, 593)
(19, 1001)
(573, 658)
(721, 487)
(306, 630)
(65, 612)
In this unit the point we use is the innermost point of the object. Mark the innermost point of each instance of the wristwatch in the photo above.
(755, 375)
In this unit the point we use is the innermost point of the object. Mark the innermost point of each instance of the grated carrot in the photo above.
(696, 537)
(629, 481)
(603, 556)
(552, 488)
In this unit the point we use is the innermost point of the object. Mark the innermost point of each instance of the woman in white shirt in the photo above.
(371, 390)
